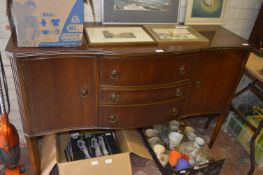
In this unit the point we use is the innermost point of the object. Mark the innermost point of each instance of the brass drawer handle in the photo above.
(197, 84)
(84, 93)
(112, 119)
(114, 75)
(115, 97)
(179, 92)
(181, 70)
(174, 112)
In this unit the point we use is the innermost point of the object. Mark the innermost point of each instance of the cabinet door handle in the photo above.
(174, 112)
(181, 70)
(112, 119)
(197, 84)
(84, 93)
(115, 97)
(179, 92)
(114, 75)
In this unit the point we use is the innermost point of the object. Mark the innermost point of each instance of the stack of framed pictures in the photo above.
(159, 19)
(148, 34)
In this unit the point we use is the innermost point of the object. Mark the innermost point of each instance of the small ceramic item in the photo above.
(182, 164)
(96, 146)
(173, 157)
(102, 145)
(158, 150)
(186, 148)
(199, 142)
(191, 136)
(151, 133)
(174, 139)
(164, 159)
(188, 129)
(174, 125)
(154, 141)
(83, 148)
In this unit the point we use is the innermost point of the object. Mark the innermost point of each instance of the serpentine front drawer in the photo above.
(130, 116)
(142, 94)
(145, 70)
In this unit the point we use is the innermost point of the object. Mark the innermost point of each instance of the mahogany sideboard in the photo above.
(62, 89)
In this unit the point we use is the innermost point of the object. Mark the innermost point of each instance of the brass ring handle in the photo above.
(84, 93)
(181, 70)
(112, 119)
(179, 92)
(197, 84)
(174, 112)
(114, 74)
(115, 97)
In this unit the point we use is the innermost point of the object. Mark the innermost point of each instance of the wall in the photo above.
(240, 18)
(14, 115)
(240, 14)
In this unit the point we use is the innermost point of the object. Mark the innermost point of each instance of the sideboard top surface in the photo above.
(219, 38)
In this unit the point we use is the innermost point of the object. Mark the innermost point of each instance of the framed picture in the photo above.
(140, 11)
(175, 34)
(117, 35)
(205, 12)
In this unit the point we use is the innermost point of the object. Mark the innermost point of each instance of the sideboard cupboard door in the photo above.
(59, 93)
(214, 80)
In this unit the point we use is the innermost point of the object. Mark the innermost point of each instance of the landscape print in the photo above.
(174, 34)
(207, 8)
(142, 5)
(110, 35)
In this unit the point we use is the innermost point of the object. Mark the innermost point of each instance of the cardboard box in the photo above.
(129, 141)
(48, 23)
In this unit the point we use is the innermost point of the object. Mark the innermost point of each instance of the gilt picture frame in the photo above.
(205, 12)
(117, 35)
(132, 12)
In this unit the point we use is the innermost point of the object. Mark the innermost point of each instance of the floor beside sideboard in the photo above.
(237, 160)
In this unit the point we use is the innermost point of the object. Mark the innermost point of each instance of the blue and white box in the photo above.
(48, 23)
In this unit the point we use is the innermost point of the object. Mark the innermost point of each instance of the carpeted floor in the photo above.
(237, 160)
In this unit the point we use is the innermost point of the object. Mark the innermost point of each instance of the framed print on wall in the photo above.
(140, 11)
(205, 12)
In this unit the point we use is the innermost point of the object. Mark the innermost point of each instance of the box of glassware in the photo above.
(177, 150)
(48, 23)
(91, 152)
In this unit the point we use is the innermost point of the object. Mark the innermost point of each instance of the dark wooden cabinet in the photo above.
(61, 89)
(58, 93)
(214, 81)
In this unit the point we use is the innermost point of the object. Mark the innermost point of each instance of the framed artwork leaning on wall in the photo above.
(205, 12)
(140, 11)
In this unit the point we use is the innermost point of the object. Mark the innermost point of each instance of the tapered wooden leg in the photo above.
(219, 123)
(32, 145)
